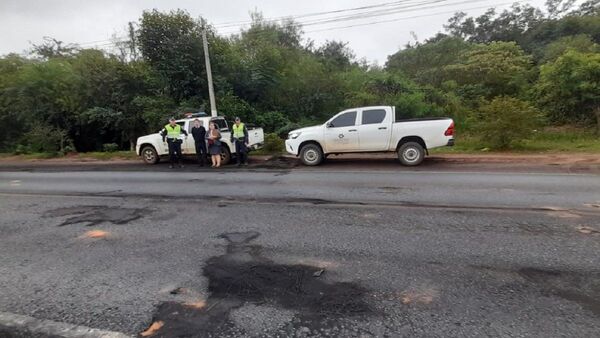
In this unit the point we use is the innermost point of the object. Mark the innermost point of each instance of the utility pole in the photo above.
(211, 91)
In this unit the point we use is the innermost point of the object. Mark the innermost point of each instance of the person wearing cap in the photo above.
(171, 134)
(239, 137)
(199, 134)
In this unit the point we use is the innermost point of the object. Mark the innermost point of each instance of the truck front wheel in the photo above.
(411, 154)
(225, 155)
(311, 154)
(149, 155)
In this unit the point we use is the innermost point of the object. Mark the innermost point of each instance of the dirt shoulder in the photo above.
(585, 163)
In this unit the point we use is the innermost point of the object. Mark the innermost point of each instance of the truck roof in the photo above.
(200, 118)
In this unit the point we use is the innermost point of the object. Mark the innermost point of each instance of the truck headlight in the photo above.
(294, 135)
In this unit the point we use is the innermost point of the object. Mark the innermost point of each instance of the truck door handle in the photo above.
(381, 128)
(352, 130)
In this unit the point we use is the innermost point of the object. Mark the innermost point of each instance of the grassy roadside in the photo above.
(101, 156)
(552, 140)
(546, 141)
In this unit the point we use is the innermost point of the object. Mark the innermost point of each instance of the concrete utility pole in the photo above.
(211, 91)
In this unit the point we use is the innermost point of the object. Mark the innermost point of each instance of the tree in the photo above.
(335, 55)
(171, 43)
(509, 25)
(53, 48)
(424, 62)
(581, 43)
(569, 88)
(11, 67)
(498, 68)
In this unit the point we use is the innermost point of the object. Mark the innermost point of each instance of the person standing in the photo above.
(172, 133)
(239, 137)
(199, 134)
(214, 144)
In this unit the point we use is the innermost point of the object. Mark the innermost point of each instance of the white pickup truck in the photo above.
(151, 147)
(371, 129)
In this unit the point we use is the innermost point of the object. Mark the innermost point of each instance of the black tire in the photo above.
(411, 154)
(149, 155)
(311, 154)
(225, 155)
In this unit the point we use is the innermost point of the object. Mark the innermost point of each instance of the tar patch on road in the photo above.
(95, 214)
(243, 277)
(572, 286)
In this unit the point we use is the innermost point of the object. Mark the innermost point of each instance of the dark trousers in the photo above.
(201, 152)
(174, 151)
(241, 151)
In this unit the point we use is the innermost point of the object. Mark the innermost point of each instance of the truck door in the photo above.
(341, 133)
(374, 129)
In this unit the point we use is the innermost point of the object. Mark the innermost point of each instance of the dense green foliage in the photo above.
(495, 74)
(506, 121)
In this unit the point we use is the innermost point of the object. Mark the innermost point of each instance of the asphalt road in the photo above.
(303, 253)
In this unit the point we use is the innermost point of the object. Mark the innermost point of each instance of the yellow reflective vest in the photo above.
(238, 131)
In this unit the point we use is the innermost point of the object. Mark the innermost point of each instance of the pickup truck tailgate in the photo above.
(256, 138)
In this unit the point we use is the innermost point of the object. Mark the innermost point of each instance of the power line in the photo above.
(359, 15)
(410, 17)
(396, 8)
(276, 19)
(421, 6)
(236, 23)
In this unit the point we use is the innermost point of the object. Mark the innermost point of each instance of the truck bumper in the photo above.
(290, 147)
(256, 146)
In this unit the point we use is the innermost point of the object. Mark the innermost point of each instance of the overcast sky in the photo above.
(23, 22)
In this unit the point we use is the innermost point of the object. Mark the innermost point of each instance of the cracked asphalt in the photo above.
(279, 253)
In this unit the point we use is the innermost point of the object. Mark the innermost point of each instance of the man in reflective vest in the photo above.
(239, 137)
(172, 134)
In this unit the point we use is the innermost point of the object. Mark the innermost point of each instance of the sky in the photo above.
(93, 23)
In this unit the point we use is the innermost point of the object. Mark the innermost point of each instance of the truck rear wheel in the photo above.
(311, 154)
(411, 154)
(149, 155)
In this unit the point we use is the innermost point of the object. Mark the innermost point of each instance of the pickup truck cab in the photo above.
(151, 147)
(371, 129)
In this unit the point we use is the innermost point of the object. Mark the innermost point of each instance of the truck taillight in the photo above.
(450, 130)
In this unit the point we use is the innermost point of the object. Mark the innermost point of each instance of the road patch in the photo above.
(91, 215)
(242, 279)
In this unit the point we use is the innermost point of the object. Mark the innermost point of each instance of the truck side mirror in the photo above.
(329, 125)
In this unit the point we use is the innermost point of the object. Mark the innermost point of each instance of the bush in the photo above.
(505, 121)
(110, 147)
(44, 139)
(21, 149)
(272, 121)
(273, 144)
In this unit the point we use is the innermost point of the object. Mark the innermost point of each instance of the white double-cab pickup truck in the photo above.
(152, 148)
(371, 129)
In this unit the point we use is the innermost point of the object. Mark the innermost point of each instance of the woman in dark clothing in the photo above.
(214, 144)
(199, 134)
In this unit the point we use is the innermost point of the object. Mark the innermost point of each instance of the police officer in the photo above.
(239, 137)
(172, 133)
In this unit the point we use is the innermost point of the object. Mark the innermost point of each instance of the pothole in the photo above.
(95, 214)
